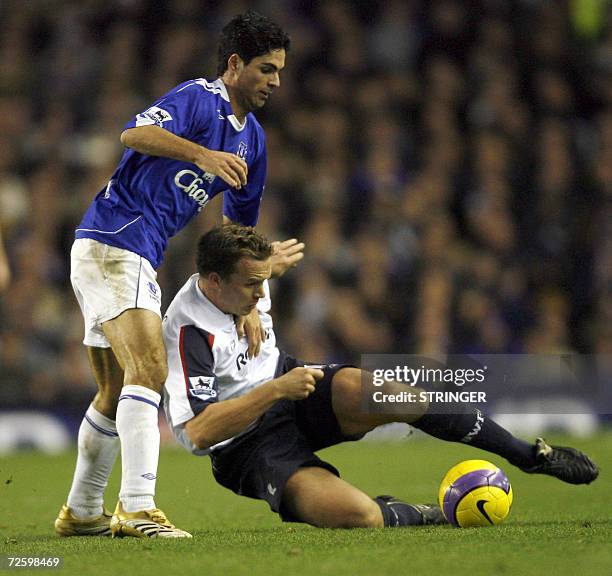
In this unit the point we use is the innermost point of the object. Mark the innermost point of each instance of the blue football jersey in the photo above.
(150, 198)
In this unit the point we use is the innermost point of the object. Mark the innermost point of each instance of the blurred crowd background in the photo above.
(448, 164)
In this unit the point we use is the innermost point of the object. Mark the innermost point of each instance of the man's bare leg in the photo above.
(465, 425)
(98, 446)
(136, 339)
(347, 402)
(316, 496)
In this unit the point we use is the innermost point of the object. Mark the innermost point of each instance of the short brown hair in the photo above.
(220, 249)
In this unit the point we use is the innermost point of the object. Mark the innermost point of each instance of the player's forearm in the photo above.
(155, 141)
(227, 418)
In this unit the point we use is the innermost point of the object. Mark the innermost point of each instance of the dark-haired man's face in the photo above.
(255, 81)
(239, 293)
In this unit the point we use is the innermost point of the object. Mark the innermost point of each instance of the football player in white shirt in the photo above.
(262, 419)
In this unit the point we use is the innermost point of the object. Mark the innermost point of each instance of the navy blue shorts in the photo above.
(260, 463)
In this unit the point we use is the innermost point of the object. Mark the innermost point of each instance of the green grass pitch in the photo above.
(553, 529)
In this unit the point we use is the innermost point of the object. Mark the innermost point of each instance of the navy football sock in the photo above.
(396, 513)
(476, 429)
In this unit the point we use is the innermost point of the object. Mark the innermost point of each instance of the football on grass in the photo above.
(475, 493)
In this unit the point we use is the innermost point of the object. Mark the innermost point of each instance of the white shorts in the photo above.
(107, 281)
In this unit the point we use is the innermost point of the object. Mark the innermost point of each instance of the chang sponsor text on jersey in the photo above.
(150, 198)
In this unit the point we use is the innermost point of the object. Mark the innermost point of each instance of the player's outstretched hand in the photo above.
(286, 255)
(229, 167)
(298, 383)
(255, 333)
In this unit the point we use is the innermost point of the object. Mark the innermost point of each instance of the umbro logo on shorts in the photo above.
(153, 292)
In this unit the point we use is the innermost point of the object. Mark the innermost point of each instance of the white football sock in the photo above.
(98, 446)
(137, 424)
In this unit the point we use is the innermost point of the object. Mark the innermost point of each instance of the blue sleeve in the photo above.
(185, 111)
(198, 367)
(242, 206)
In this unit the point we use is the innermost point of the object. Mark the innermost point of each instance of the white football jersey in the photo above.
(207, 362)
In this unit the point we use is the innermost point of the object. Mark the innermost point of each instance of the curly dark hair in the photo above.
(249, 35)
(220, 249)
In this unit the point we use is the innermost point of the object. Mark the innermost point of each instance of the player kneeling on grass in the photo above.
(262, 419)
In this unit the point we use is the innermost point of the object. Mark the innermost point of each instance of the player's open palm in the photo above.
(229, 167)
(299, 383)
(286, 255)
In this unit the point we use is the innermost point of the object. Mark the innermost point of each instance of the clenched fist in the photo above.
(298, 383)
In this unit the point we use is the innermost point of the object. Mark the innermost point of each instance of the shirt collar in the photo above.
(222, 88)
(218, 317)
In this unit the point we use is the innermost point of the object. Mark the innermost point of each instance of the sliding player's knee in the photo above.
(411, 402)
(365, 515)
(422, 404)
(346, 391)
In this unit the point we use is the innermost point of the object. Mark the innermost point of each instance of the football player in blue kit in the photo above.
(199, 140)
(262, 419)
